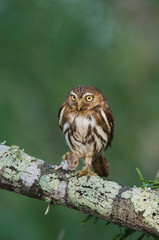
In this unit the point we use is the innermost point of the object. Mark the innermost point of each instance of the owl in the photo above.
(88, 125)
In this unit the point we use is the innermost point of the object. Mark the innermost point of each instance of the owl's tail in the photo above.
(100, 165)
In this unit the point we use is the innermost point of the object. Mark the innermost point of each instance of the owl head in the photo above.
(84, 97)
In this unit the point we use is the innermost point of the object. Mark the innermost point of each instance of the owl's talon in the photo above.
(86, 172)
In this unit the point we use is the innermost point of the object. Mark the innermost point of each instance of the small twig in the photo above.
(47, 209)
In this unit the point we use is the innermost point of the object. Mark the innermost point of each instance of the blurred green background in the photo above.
(48, 47)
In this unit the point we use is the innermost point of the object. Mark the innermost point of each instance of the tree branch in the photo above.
(135, 208)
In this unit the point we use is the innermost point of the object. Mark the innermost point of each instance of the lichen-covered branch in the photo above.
(135, 208)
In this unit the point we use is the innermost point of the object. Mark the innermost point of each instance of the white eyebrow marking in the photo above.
(72, 93)
(87, 94)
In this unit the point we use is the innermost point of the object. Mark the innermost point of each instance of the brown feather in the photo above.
(100, 165)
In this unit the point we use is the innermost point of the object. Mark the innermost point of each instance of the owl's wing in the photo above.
(110, 120)
(104, 118)
(61, 115)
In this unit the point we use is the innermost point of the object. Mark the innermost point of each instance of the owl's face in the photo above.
(83, 98)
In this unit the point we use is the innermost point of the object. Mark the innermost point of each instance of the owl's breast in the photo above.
(82, 134)
(78, 126)
(82, 124)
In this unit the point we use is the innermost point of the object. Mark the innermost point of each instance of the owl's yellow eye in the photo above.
(89, 98)
(73, 97)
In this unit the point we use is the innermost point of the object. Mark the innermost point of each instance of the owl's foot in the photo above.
(86, 172)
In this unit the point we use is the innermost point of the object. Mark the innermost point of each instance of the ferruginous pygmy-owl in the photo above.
(87, 123)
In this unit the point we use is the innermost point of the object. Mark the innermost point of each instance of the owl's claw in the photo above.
(86, 172)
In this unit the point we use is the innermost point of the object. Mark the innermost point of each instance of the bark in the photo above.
(135, 208)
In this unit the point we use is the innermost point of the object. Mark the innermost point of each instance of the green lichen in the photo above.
(126, 194)
(71, 174)
(13, 162)
(95, 193)
(11, 174)
(146, 201)
(47, 199)
(3, 149)
(49, 182)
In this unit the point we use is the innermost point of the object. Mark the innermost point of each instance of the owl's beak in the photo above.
(79, 104)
